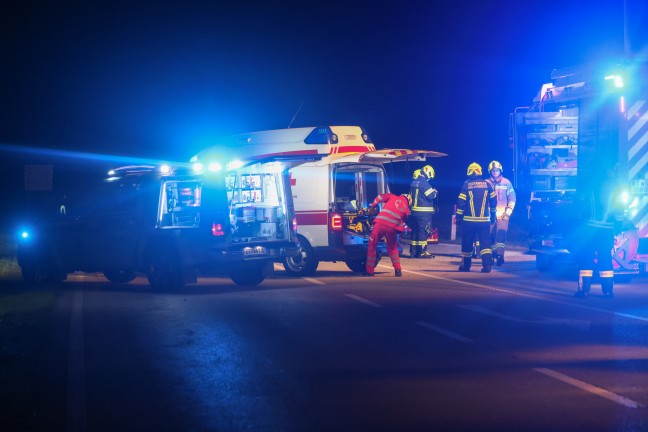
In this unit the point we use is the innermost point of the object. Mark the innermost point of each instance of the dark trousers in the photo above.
(421, 224)
(594, 252)
(476, 231)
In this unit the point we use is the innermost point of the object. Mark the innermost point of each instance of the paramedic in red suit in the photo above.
(389, 223)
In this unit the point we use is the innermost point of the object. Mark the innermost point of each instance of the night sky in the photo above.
(163, 79)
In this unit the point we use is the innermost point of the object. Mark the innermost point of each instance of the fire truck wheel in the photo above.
(305, 263)
(357, 265)
(119, 276)
(164, 271)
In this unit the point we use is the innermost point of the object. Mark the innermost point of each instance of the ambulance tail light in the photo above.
(294, 225)
(217, 230)
(336, 222)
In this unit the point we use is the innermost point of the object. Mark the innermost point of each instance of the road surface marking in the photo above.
(578, 324)
(521, 294)
(598, 391)
(363, 300)
(309, 279)
(444, 332)
(313, 280)
(76, 402)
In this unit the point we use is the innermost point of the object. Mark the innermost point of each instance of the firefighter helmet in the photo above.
(495, 165)
(428, 171)
(474, 169)
(416, 174)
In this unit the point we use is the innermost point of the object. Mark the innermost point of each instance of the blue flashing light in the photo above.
(165, 169)
(616, 79)
(235, 164)
(198, 167)
(214, 167)
(321, 135)
(625, 197)
(24, 235)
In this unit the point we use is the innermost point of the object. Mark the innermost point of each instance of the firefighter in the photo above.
(505, 205)
(600, 215)
(476, 211)
(423, 208)
(388, 223)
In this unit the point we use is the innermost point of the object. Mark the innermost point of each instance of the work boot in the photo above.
(607, 284)
(398, 273)
(426, 254)
(486, 270)
(584, 285)
(465, 266)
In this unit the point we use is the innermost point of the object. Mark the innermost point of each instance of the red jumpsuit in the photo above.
(389, 223)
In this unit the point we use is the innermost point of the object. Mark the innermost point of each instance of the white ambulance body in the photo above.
(331, 195)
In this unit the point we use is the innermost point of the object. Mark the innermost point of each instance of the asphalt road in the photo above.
(434, 350)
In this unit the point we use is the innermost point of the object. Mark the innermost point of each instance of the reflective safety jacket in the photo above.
(477, 201)
(505, 195)
(423, 196)
(394, 211)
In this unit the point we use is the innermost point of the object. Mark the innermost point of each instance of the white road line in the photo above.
(314, 281)
(363, 300)
(598, 391)
(521, 294)
(76, 400)
(444, 332)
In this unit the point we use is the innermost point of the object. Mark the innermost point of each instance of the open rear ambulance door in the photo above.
(399, 155)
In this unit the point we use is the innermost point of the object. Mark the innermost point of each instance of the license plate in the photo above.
(254, 251)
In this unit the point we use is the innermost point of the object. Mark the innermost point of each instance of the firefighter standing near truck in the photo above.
(423, 208)
(388, 224)
(505, 205)
(476, 211)
(600, 215)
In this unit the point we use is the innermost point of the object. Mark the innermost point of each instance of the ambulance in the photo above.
(332, 193)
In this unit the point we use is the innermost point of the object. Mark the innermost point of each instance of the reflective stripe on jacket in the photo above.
(423, 195)
(477, 200)
(505, 195)
(394, 212)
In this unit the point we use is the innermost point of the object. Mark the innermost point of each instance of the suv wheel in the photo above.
(164, 271)
(304, 263)
(357, 265)
(119, 276)
(248, 276)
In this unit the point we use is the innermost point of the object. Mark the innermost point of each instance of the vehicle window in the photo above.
(109, 198)
(356, 186)
(180, 204)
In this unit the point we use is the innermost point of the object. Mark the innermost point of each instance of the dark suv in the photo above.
(172, 224)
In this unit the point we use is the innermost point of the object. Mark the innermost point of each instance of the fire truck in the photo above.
(331, 194)
(588, 120)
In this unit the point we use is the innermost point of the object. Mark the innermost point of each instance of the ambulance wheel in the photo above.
(248, 278)
(304, 263)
